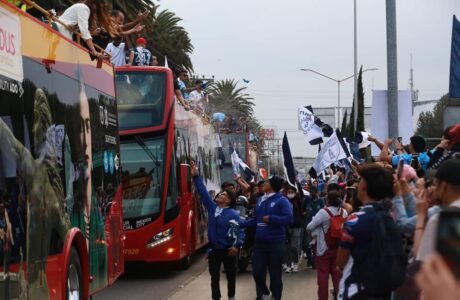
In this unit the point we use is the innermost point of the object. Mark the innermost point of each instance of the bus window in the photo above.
(142, 177)
(141, 99)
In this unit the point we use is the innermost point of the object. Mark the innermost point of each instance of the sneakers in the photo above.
(295, 268)
(288, 269)
(266, 297)
(231, 298)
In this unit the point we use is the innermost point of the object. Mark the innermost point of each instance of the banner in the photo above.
(332, 151)
(454, 82)
(10, 46)
(235, 163)
(310, 129)
(288, 163)
(220, 153)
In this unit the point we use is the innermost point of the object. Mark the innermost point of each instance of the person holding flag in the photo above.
(224, 234)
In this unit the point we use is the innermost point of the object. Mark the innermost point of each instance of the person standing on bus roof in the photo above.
(272, 214)
(117, 49)
(139, 55)
(224, 235)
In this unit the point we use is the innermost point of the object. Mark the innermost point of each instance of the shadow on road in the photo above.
(153, 280)
(163, 270)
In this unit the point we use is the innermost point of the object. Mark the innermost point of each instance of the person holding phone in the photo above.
(445, 189)
(437, 280)
(224, 234)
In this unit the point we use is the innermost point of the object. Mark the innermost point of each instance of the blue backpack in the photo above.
(383, 269)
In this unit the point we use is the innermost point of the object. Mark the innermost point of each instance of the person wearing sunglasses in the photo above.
(224, 234)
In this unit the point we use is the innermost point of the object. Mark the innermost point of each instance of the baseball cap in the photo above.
(141, 40)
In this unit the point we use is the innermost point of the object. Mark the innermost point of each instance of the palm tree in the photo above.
(163, 32)
(227, 97)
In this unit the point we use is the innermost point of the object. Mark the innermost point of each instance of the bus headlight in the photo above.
(160, 238)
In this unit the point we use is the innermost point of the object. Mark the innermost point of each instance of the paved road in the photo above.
(301, 285)
(152, 281)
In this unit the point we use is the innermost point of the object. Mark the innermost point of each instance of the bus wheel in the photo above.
(186, 262)
(74, 288)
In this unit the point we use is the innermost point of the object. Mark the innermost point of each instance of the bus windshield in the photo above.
(141, 97)
(142, 177)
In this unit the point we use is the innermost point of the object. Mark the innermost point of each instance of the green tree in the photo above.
(360, 121)
(165, 35)
(227, 97)
(343, 129)
(430, 123)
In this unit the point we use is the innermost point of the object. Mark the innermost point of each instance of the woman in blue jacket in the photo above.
(272, 214)
(224, 234)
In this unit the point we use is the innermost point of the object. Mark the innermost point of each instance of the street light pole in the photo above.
(339, 81)
(355, 99)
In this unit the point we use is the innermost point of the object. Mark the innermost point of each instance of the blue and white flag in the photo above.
(311, 131)
(454, 82)
(235, 163)
(220, 153)
(333, 151)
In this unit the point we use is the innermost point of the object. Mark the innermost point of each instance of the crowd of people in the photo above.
(373, 230)
(97, 25)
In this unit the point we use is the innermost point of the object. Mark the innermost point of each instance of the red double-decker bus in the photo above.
(60, 183)
(163, 218)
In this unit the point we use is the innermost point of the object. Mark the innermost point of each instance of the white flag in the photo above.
(307, 124)
(235, 163)
(332, 151)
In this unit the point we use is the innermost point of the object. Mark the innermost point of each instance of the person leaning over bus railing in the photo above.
(179, 96)
(83, 15)
(224, 234)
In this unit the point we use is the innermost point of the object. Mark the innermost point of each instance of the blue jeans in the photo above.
(268, 255)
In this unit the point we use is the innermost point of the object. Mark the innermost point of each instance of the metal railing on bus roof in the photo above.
(51, 17)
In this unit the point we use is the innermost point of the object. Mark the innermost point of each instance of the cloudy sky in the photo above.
(268, 42)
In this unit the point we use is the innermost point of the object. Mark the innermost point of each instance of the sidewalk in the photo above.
(301, 285)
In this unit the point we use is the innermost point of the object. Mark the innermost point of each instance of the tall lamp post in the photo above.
(338, 81)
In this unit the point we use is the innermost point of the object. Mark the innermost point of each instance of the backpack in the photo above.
(334, 233)
(383, 269)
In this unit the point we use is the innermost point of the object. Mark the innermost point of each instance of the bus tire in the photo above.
(74, 284)
(186, 262)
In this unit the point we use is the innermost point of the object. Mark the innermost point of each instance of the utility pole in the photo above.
(392, 69)
(355, 99)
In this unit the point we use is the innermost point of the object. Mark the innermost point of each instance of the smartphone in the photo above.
(400, 168)
(448, 239)
(400, 139)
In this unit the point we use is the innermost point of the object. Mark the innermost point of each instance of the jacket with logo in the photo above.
(279, 211)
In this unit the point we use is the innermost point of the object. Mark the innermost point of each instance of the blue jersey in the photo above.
(422, 158)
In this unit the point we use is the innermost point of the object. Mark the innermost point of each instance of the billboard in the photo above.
(379, 119)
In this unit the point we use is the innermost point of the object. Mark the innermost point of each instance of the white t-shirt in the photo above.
(77, 14)
(195, 95)
(428, 245)
(118, 57)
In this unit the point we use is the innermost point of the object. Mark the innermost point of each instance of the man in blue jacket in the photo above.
(224, 235)
(271, 215)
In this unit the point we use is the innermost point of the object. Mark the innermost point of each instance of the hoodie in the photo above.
(223, 229)
(279, 210)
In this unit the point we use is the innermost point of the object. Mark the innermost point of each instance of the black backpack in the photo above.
(383, 268)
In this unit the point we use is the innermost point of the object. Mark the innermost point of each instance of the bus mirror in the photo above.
(184, 178)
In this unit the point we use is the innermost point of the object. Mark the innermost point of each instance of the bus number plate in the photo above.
(130, 251)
